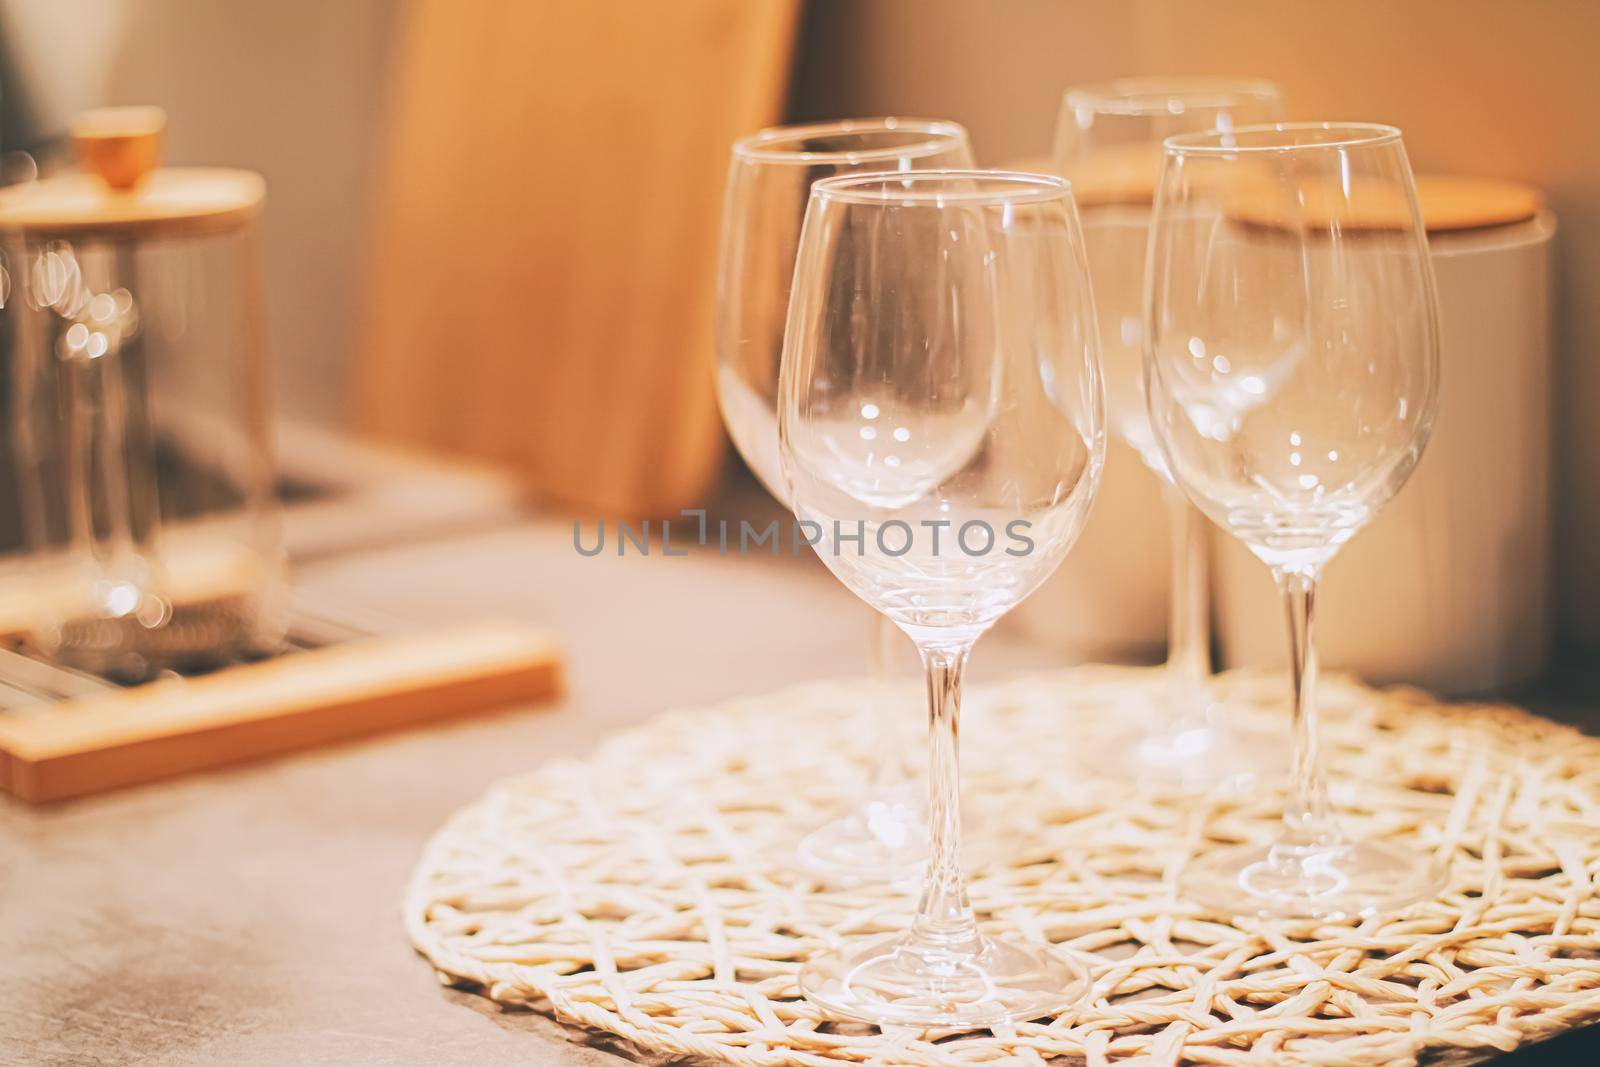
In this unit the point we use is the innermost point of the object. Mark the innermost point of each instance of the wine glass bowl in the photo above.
(769, 181)
(897, 427)
(941, 432)
(1291, 349)
(1290, 318)
(1108, 144)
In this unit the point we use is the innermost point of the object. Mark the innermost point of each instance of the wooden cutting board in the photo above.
(111, 738)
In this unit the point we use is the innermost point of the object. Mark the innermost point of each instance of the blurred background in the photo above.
(491, 226)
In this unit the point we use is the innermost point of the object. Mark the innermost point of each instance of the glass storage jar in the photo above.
(138, 414)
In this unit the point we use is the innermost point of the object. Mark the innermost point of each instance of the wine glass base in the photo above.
(889, 982)
(1222, 755)
(880, 840)
(1337, 881)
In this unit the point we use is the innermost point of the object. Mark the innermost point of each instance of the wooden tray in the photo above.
(106, 738)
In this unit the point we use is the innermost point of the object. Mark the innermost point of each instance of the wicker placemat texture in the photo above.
(645, 890)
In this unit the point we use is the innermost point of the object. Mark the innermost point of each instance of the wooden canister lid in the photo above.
(174, 201)
(1122, 175)
(1455, 202)
(122, 195)
(1119, 175)
(1449, 203)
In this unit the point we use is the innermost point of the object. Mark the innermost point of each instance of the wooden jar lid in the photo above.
(1456, 202)
(1449, 203)
(123, 195)
(175, 201)
(1124, 174)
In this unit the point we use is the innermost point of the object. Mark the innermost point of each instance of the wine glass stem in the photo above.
(1188, 622)
(888, 770)
(1306, 818)
(945, 922)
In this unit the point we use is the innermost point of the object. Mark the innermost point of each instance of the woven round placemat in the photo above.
(645, 890)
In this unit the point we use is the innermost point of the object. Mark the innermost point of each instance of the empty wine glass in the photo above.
(941, 428)
(883, 836)
(1108, 144)
(1292, 365)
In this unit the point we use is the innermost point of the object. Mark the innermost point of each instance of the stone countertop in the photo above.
(251, 916)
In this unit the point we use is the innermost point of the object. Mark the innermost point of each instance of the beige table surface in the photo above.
(251, 916)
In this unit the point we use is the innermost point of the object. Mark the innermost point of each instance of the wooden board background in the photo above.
(543, 275)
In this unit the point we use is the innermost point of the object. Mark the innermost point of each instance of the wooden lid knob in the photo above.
(121, 144)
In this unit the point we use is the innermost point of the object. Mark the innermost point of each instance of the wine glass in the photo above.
(1292, 370)
(883, 837)
(941, 426)
(1108, 144)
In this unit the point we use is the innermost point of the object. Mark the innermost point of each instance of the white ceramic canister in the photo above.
(1449, 588)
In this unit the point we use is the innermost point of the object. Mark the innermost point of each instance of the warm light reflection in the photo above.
(100, 322)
